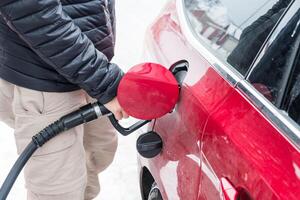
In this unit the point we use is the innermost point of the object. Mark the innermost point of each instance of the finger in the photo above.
(125, 115)
(118, 115)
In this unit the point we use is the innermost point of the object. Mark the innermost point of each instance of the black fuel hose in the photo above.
(84, 114)
(16, 169)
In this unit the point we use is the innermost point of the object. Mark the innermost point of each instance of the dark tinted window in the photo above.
(292, 101)
(235, 30)
(276, 73)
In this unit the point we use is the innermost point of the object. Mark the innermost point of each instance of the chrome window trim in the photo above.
(278, 118)
(224, 69)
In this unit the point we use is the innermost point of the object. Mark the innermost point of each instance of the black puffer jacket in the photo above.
(49, 45)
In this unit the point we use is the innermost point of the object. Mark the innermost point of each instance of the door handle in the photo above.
(229, 191)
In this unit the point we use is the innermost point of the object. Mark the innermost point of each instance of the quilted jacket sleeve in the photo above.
(51, 33)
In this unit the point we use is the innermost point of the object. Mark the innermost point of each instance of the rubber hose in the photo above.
(17, 168)
(82, 115)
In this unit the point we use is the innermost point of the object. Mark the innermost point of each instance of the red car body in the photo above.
(224, 140)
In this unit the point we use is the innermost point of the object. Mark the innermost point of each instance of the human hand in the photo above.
(116, 109)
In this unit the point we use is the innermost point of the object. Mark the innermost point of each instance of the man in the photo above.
(49, 50)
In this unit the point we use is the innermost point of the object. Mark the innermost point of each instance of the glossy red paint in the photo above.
(148, 91)
(178, 166)
(215, 133)
(241, 144)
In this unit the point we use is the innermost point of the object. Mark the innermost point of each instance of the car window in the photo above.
(234, 30)
(270, 74)
(291, 102)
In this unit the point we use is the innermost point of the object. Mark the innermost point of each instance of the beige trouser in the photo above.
(66, 167)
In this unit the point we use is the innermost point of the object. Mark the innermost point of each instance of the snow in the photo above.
(120, 180)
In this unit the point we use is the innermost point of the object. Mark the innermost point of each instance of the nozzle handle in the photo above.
(126, 131)
(122, 130)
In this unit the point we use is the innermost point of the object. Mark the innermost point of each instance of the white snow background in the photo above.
(120, 180)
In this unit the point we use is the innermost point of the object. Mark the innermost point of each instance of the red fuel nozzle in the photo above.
(148, 91)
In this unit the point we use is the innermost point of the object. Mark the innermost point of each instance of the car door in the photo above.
(229, 35)
(251, 142)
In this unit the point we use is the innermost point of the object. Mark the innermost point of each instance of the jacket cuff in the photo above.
(112, 89)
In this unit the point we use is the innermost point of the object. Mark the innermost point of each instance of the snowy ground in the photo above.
(120, 180)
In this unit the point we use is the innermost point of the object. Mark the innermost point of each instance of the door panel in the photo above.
(240, 144)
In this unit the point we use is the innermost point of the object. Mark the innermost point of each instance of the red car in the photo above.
(235, 132)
